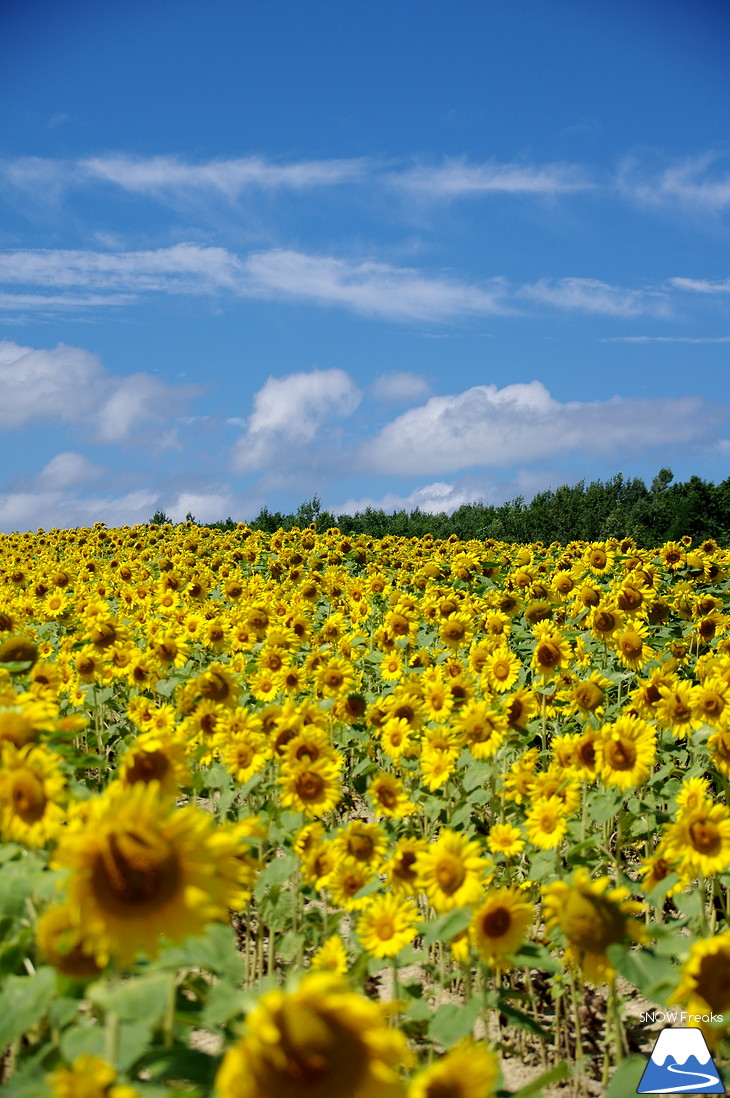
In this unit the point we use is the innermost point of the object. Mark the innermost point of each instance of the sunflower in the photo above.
(604, 620)
(396, 738)
(311, 787)
(365, 842)
(388, 797)
(140, 867)
(451, 870)
(88, 1077)
(705, 981)
(32, 792)
(387, 925)
(345, 881)
(551, 653)
(630, 646)
(501, 669)
(401, 868)
(711, 701)
(331, 956)
(505, 839)
(60, 938)
(674, 710)
(545, 823)
(469, 1070)
(498, 927)
(321, 1039)
(483, 728)
(699, 840)
(156, 757)
(625, 752)
(592, 916)
(656, 869)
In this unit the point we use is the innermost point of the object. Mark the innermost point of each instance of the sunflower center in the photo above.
(705, 837)
(404, 868)
(681, 712)
(387, 797)
(621, 755)
(361, 847)
(548, 654)
(496, 923)
(135, 873)
(605, 622)
(450, 875)
(148, 766)
(713, 981)
(216, 687)
(385, 929)
(591, 923)
(631, 645)
(321, 1055)
(28, 796)
(589, 696)
(309, 786)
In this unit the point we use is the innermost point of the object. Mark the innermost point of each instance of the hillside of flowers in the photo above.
(300, 814)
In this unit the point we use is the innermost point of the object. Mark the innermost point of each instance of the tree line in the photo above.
(618, 507)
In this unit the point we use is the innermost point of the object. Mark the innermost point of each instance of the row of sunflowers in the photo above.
(303, 814)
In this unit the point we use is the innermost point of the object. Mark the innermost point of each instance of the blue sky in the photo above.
(390, 253)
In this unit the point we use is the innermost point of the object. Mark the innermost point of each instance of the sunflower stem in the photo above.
(111, 1038)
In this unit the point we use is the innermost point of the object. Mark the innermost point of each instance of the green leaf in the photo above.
(23, 1002)
(652, 975)
(545, 1080)
(224, 1002)
(276, 872)
(141, 997)
(447, 926)
(689, 903)
(477, 773)
(452, 1021)
(523, 1021)
(626, 1078)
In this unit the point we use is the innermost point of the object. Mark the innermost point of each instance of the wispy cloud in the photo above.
(458, 178)
(400, 387)
(692, 184)
(230, 178)
(665, 339)
(370, 287)
(590, 295)
(700, 285)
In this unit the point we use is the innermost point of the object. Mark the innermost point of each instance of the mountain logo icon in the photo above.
(680, 1064)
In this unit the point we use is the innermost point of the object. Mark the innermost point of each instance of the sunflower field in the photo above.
(305, 815)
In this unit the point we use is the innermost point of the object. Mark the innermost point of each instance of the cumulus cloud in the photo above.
(292, 415)
(432, 498)
(522, 423)
(589, 295)
(28, 510)
(71, 385)
(399, 387)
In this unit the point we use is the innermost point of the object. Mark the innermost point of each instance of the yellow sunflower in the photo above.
(699, 840)
(311, 787)
(387, 925)
(592, 916)
(388, 797)
(505, 839)
(705, 981)
(451, 870)
(321, 1039)
(625, 752)
(32, 792)
(139, 867)
(545, 823)
(89, 1077)
(499, 926)
(469, 1070)
(331, 956)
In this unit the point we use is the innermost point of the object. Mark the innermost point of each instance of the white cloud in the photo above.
(29, 510)
(209, 506)
(666, 339)
(457, 178)
(701, 285)
(522, 423)
(58, 302)
(292, 414)
(226, 177)
(183, 268)
(67, 469)
(589, 295)
(399, 387)
(71, 385)
(368, 287)
(432, 498)
(689, 184)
